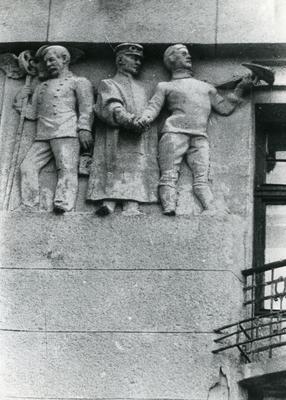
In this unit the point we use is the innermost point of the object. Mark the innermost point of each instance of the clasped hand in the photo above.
(140, 124)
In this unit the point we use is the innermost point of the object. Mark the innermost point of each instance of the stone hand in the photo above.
(246, 83)
(143, 122)
(85, 139)
(138, 127)
(26, 91)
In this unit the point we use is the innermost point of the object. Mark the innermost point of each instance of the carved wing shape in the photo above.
(10, 65)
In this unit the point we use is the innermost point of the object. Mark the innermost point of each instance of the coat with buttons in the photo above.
(124, 165)
(62, 106)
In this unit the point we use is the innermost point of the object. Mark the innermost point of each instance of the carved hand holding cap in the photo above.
(129, 48)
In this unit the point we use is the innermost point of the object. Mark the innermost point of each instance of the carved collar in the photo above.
(182, 74)
(64, 75)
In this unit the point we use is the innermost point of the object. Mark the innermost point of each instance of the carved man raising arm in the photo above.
(190, 102)
(63, 108)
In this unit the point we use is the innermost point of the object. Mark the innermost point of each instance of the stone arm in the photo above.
(155, 105)
(110, 106)
(85, 102)
(226, 106)
(31, 107)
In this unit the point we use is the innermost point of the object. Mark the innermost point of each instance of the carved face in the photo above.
(182, 59)
(130, 63)
(54, 63)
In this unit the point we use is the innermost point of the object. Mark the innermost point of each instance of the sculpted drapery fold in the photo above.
(124, 162)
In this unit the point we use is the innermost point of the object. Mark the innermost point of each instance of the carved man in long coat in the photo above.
(124, 168)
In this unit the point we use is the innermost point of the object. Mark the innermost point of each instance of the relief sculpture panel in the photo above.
(124, 167)
(105, 132)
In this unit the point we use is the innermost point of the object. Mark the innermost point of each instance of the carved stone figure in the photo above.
(63, 108)
(124, 167)
(15, 68)
(189, 102)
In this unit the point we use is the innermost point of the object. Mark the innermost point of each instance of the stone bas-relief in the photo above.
(62, 105)
(190, 102)
(124, 168)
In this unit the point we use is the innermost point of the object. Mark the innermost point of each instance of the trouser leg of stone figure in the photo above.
(66, 153)
(37, 157)
(198, 161)
(172, 148)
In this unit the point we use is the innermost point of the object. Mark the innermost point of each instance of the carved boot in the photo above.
(131, 208)
(168, 197)
(206, 198)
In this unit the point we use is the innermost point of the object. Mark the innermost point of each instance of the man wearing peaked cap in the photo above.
(63, 108)
(124, 168)
(129, 48)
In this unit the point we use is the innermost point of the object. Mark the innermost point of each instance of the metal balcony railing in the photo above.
(265, 329)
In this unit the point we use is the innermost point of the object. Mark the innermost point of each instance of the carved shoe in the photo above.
(59, 210)
(171, 212)
(103, 210)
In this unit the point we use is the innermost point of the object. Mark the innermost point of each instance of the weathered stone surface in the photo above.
(24, 20)
(181, 21)
(113, 365)
(41, 240)
(230, 139)
(169, 301)
(251, 22)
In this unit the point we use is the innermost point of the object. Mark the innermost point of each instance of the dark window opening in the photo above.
(270, 198)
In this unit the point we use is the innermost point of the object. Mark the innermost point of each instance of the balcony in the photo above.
(261, 338)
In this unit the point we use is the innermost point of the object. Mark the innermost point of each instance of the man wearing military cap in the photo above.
(62, 105)
(124, 168)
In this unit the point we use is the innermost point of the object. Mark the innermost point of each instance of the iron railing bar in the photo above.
(275, 296)
(273, 346)
(271, 307)
(263, 268)
(244, 330)
(245, 320)
(246, 342)
(243, 353)
(261, 284)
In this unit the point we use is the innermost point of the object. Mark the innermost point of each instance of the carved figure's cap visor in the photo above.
(43, 50)
(129, 48)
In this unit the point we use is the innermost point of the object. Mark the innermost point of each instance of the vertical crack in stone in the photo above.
(220, 390)
(49, 19)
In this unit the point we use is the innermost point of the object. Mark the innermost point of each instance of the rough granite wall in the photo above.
(149, 21)
(125, 307)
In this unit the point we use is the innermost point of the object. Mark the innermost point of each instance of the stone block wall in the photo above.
(149, 21)
(125, 307)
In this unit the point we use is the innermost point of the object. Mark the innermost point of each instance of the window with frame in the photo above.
(270, 194)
